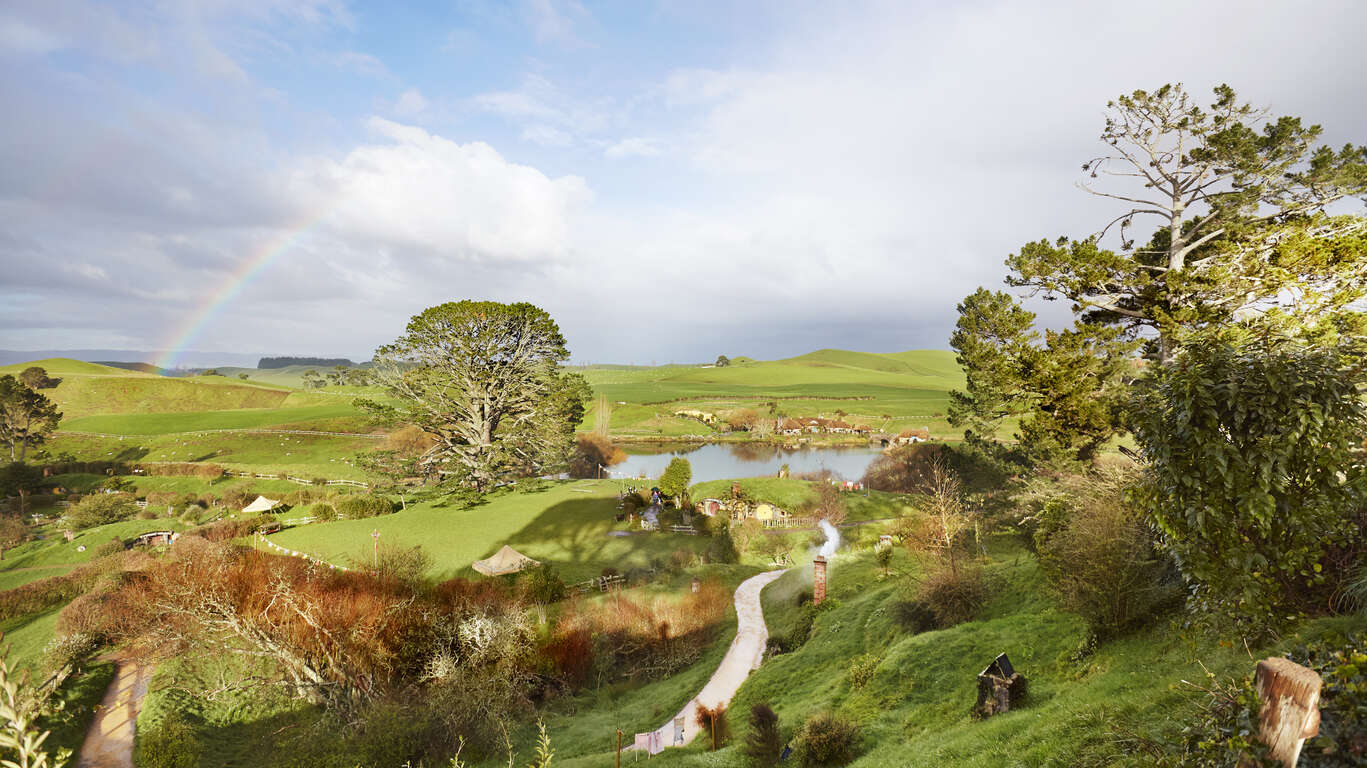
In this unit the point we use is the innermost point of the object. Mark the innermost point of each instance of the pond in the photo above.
(714, 461)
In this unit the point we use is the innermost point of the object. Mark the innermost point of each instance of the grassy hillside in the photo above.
(913, 711)
(288, 376)
(335, 415)
(303, 455)
(128, 392)
(63, 366)
(909, 388)
(566, 526)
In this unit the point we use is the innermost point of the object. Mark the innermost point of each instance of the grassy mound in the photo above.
(567, 526)
(127, 392)
(65, 366)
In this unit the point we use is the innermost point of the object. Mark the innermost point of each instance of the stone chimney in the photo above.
(819, 580)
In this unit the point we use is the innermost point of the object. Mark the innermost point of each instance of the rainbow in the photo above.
(251, 267)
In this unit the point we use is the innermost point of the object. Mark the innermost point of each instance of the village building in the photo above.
(909, 436)
(155, 539)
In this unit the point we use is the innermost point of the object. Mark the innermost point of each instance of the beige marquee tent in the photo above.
(261, 505)
(506, 560)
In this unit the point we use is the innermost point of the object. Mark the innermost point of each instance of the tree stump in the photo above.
(1290, 713)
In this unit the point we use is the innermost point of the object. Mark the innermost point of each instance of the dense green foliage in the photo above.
(170, 744)
(1252, 474)
(319, 362)
(27, 417)
(827, 739)
(483, 379)
(764, 742)
(1101, 559)
(677, 475)
(1066, 395)
(101, 509)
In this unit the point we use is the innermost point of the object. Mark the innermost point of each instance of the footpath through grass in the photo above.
(914, 709)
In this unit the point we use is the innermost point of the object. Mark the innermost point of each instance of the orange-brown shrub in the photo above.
(409, 441)
(184, 469)
(592, 450)
(473, 595)
(637, 638)
(340, 637)
(905, 469)
(44, 594)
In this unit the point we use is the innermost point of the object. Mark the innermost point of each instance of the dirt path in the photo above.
(745, 655)
(109, 742)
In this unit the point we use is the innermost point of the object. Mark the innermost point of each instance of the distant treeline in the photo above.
(321, 362)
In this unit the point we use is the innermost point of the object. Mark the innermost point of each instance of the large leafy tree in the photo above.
(1238, 201)
(19, 479)
(27, 417)
(1252, 439)
(35, 377)
(484, 379)
(1066, 393)
(992, 333)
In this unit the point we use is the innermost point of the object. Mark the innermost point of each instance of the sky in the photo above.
(670, 180)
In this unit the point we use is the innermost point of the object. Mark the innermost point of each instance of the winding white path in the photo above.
(109, 742)
(745, 655)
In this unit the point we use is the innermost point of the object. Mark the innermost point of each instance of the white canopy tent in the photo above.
(506, 560)
(261, 505)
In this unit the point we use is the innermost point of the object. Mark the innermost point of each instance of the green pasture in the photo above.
(18, 577)
(290, 376)
(55, 550)
(566, 526)
(27, 636)
(145, 484)
(308, 456)
(65, 366)
(334, 416)
(908, 388)
(91, 394)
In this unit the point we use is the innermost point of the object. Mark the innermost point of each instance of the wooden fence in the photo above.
(243, 431)
(298, 480)
(600, 584)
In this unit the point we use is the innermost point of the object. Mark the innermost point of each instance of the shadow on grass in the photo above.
(574, 536)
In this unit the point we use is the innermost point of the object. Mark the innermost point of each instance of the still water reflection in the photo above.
(716, 460)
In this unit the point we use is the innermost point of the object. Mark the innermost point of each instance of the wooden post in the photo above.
(619, 748)
(375, 555)
(1290, 714)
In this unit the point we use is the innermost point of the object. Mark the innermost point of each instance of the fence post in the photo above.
(1290, 713)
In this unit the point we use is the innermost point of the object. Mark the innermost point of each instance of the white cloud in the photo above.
(546, 136)
(410, 102)
(633, 147)
(425, 192)
(360, 63)
(19, 37)
(556, 21)
(844, 181)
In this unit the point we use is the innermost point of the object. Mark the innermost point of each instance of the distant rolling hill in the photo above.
(137, 367)
(892, 391)
(89, 389)
(187, 358)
